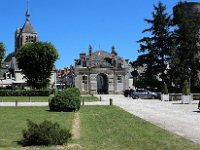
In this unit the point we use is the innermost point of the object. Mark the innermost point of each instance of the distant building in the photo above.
(10, 74)
(65, 78)
(101, 72)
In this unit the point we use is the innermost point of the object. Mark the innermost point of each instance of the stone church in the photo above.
(10, 74)
(101, 72)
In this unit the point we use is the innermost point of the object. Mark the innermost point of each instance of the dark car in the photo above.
(143, 93)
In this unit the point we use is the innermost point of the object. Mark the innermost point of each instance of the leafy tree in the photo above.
(157, 48)
(37, 61)
(2, 51)
(186, 63)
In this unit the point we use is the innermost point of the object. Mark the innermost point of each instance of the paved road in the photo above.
(181, 119)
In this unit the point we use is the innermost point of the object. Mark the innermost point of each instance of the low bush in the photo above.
(67, 100)
(186, 88)
(45, 133)
(165, 89)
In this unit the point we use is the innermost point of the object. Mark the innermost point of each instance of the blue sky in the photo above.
(71, 25)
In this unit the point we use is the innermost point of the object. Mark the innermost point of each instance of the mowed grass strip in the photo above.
(89, 98)
(25, 98)
(13, 121)
(111, 128)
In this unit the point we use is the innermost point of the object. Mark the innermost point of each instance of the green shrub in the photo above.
(67, 100)
(45, 133)
(186, 88)
(164, 89)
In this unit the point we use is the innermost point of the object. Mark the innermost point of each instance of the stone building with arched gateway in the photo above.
(101, 72)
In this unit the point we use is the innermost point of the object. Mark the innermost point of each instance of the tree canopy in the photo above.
(2, 52)
(37, 61)
(186, 62)
(172, 50)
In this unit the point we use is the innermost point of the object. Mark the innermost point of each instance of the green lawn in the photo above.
(111, 128)
(102, 128)
(24, 98)
(89, 98)
(13, 121)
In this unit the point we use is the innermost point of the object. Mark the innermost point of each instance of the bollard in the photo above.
(100, 98)
(83, 102)
(16, 103)
(111, 101)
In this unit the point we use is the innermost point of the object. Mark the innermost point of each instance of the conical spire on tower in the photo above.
(28, 28)
(28, 14)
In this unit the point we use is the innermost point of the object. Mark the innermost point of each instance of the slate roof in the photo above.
(104, 59)
(28, 28)
(3, 69)
(9, 57)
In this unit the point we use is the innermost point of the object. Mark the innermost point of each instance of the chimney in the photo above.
(82, 55)
(113, 52)
(90, 51)
(127, 60)
(71, 69)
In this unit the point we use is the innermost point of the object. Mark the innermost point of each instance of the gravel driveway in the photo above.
(181, 119)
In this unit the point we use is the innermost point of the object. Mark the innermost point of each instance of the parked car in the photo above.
(143, 93)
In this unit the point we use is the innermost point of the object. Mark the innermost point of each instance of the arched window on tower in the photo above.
(26, 39)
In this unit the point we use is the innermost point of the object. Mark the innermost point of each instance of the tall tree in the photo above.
(157, 48)
(186, 62)
(2, 52)
(37, 61)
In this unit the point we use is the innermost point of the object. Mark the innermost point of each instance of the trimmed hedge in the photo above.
(67, 100)
(24, 92)
(45, 133)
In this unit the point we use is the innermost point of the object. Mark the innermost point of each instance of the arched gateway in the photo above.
(101, 72)
(102, 83)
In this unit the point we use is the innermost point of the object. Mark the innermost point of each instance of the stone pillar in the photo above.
(115, 83)
(89, 84)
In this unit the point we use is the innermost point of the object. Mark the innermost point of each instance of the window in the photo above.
(84, 83)
(84, 79)
(119, 79)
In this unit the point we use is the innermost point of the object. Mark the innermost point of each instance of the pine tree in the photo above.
(157, 48)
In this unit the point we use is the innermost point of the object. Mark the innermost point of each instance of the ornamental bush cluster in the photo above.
(45, 133)
(67, 100)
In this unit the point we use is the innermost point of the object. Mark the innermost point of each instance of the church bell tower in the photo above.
(26, 34)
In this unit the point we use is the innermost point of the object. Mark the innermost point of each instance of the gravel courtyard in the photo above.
(181, 119)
